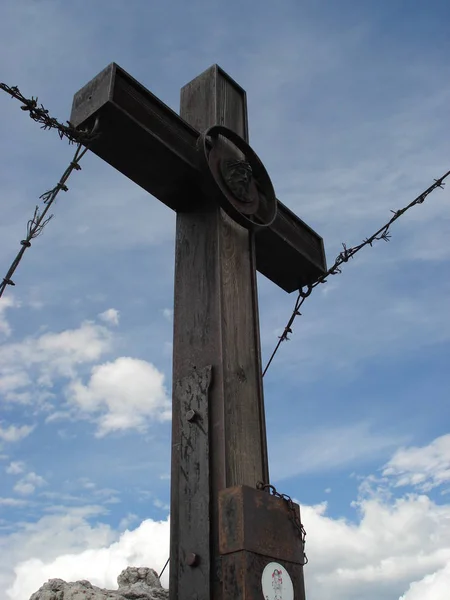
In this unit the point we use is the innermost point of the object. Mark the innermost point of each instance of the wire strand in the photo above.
(164, 568)
(343, 257)
(37, 223)
(41, 115)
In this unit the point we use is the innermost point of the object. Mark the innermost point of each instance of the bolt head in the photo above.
(192, 559)
(190, 415)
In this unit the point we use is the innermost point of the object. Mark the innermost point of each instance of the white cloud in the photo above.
(15, 433)
(69, 348)
(12, 502)
(393, 546)
(11, 379)
(30, 368)
(104, 556)
(53, 354)
(120, 395)
(432, 587)
(424, 467)
(60, 533)
(24, 488)
(5, 303)
(110, 316)
(15, 468)
(123, 394)
(28, 484)
(389, 546)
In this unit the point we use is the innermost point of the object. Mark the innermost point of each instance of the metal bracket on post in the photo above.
(261, 553)
(191, 393)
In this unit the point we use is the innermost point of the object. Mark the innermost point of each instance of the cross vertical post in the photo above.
(216, 323)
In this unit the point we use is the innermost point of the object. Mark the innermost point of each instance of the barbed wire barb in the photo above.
(383, 234)
(41, 115)
(83, 139)
(39, 220)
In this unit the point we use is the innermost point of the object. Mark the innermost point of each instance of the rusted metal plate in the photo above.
(242, 578)
(193, 532)
(255, 521)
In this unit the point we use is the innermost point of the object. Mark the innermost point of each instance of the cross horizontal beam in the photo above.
(153, 146)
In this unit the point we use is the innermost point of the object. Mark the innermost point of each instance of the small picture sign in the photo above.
(276, 583)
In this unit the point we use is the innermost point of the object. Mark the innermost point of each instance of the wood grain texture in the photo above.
(149, 143)
(191, 393)
(196, 344)
(213, 98)
(216, 320)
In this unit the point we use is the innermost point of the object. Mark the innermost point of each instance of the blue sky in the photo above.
(348, 109)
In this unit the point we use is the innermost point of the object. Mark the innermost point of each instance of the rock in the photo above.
(135, 583)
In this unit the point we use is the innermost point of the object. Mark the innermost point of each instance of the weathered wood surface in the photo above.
(216, 320)
(149, 143)
(190, 395)
(235, 288)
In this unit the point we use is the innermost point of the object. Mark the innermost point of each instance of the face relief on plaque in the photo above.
(276, 583)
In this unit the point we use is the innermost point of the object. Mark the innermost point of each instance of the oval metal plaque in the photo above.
(276, 583)
(238, 177)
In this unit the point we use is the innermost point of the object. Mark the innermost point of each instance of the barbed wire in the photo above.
(83, 138)
(164, 568)
(39, 220)
(35, 225)
(41, 115)
(343, 257)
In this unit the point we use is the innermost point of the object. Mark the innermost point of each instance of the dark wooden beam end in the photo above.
(289, 252)
(140, 136)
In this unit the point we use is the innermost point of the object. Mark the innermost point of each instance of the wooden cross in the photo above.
(225, 534)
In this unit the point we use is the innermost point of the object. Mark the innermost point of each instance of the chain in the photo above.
(343, 257)
(266, 487)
